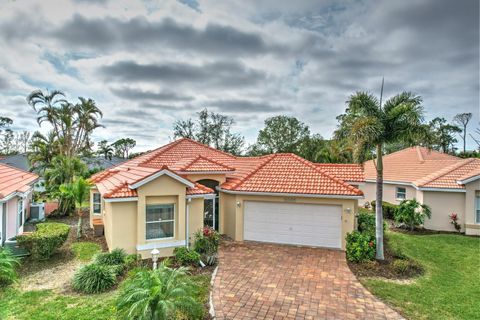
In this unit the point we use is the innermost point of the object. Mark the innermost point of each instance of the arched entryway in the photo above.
(211, 206)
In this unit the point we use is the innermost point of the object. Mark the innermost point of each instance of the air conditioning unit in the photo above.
(37, 211)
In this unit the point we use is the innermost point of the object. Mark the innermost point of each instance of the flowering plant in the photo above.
(454, 221)
(206, 240)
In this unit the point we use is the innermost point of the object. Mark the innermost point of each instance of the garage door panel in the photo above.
(302, 224)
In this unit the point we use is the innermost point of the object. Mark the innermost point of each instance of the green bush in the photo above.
(206, 240)
(412, 213)
(132, 261)
(94, 278)
(366, 222)
(115, 257)
(185, 257)
(360, 246)
(387, 208)
(8, 262)
(43, 243)
(406, 266)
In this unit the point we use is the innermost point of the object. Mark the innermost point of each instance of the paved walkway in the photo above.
(267, 281)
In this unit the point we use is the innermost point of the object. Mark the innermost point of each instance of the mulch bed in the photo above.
(385, 268)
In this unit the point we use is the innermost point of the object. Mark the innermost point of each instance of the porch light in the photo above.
(348, 210)
(155, 254)
(239, 204)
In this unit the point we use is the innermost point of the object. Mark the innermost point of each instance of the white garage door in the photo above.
(289, 223)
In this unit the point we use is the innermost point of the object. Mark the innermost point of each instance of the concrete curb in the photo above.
(212, 309)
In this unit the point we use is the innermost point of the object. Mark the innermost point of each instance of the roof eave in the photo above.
(285, 194)
(468, 180)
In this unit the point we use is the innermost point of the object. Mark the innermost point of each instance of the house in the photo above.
(19, 161)
(445, 183)
(159, 199)
(102, 163)
(16, 188)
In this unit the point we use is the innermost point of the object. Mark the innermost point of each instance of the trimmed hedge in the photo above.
(387, 208)
(43, 243)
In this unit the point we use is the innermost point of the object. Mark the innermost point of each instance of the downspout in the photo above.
(187, 214)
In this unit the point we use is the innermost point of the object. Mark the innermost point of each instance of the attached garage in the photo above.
(317, 225)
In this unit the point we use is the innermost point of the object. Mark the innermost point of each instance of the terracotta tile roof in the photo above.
(273, 173)
(345, 172)
(288, 173)
(410, 164)
(425, 168)
(14, 180)
(201, 164)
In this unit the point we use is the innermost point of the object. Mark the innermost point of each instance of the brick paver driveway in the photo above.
(268, 281)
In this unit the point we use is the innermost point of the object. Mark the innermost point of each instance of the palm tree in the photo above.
(77, 190)
(44, 148)
(88, 115)
(105, 149)
(159, 294)
(369, 125)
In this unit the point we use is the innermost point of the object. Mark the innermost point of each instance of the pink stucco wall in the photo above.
(12, 217)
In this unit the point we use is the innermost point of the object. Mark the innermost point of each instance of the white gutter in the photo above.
(471, 179)
(205, 196)
(120, 199)
(419, 188)
(283, 194)
(442, 189)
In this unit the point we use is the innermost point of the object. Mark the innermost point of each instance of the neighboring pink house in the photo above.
(16, 187)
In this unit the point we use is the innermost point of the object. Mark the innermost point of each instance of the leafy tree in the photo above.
(334, 151)
(22, 141)
(123, 146)
(159, 295)
(462, 120)
(281, 134)
(369, 125)
(311, 147)
(443, 134)
(7, 143)
(412, 213)
(78, 190)
(213, 129)
(105, 149)
(44, 149)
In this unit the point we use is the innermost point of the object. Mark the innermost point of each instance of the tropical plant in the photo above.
(368, 125)
(360, 246)
(77, 190)
(43, 243)
(206, 240)
(186, 257)
(105, 149)
(116, 257)
(454, 220)
(366, 223)
(8, 263)
(412, 213)
(159, 295)
(43, 149)
(94, 278)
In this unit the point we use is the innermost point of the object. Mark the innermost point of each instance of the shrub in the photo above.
(43, 243)
(132, 261)
(388, 209)
(94, 278)
(366, 222)
(8, 262)
(115, 257)
(206, 240)
(360, 246)
(406, 266)
(159, 294)
(184, 256)
(411, 213)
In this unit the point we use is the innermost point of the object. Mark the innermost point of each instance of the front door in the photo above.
(211, 207)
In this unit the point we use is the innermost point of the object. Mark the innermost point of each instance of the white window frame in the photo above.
(477, 209)
(151, 222)
(397, 191)
(20, 211)
(94, 203)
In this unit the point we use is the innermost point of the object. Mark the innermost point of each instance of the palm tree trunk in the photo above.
(80, 222)
(378, 206)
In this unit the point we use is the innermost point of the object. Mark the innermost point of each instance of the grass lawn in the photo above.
(84, 251)
(450, 287)
(49, 305)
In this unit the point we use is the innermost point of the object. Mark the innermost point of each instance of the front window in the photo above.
(20, 213)
(477, 209)
(97, 203)
(401, 193)
(160, 221)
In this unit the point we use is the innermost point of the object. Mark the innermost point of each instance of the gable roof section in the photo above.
(288, 173)
(345, 172)
(201, 164)
(448, 177)
(14, 180)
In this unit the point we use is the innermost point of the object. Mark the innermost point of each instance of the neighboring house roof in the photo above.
(279, 173)
(19, 161)
(14, 180)
(424, 168)
(346, 172)
(101, 163)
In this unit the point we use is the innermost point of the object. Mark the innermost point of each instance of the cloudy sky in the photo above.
(147, 63)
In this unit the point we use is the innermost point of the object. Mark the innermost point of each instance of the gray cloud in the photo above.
(244, 106)
(136, 94)
(164, 107)
(3, 83)
(111, 33)
(221, 74)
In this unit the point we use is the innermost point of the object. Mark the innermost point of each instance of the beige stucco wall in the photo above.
(472, 227)
(123, 222)
(389, 192)
(195, 218)
(442, 205)
(233, 214)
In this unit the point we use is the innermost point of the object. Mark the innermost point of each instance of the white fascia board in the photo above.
(471, 179)
(159, 174)
(442, 189)
(205, 172)
(280, 194)
(121, 199)
(160, 245)
(205, 196)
